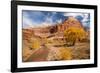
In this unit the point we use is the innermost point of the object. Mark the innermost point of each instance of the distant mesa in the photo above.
(70, 22)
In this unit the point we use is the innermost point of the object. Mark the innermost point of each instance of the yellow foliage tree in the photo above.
(35, 44)
(72, 34)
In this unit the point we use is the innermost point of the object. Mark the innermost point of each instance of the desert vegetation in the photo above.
(73, 34)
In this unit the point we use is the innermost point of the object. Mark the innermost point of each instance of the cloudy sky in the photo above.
(45, 18)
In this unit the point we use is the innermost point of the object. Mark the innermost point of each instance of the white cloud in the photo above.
(74, 14)
(59, 21)
(85, 18)
(49, 20)
(26, 22)
(53, 13)
(45, 24)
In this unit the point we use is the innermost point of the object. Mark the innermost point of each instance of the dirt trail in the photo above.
(39, 55)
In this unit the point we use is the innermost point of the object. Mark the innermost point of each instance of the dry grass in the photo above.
(66, 54)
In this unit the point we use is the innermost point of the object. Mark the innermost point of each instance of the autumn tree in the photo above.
(72, 34)
(35, 44)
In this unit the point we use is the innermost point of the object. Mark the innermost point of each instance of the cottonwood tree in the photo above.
(72, 34)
